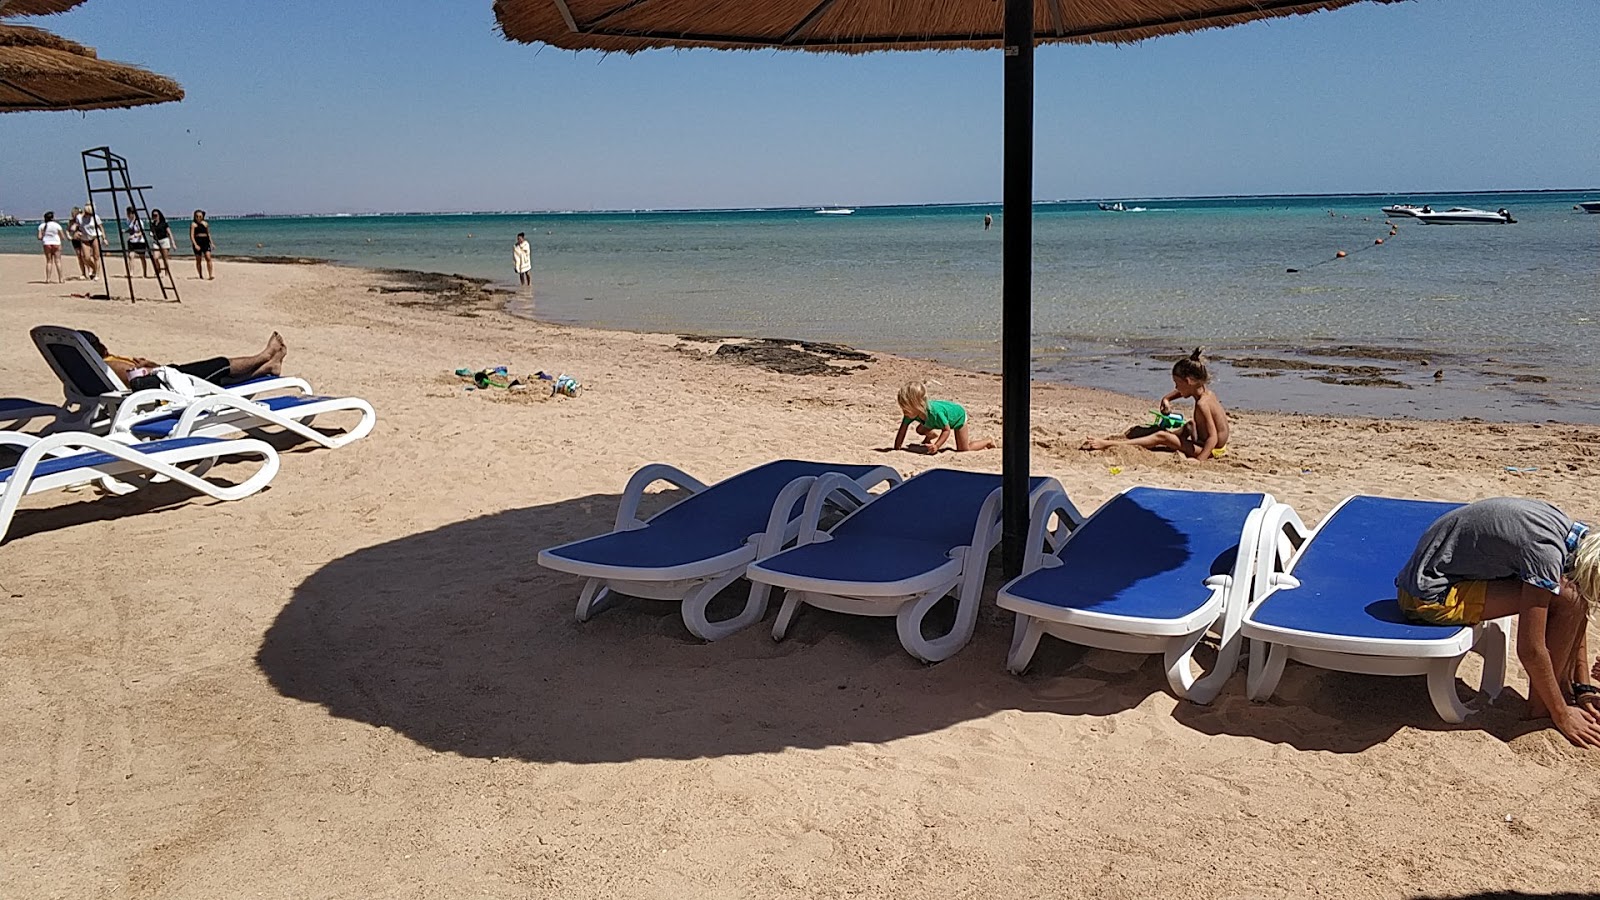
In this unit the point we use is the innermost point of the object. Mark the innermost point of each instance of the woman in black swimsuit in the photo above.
(161, 234)
(200, 240)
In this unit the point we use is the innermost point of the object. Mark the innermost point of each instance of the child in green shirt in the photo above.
(936, 421)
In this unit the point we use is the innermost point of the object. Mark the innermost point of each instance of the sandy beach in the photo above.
(359, 683)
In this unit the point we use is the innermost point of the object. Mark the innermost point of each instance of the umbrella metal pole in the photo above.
(1016, 350)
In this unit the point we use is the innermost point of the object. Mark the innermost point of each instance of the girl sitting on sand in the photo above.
(1205, 436)
(936, 421)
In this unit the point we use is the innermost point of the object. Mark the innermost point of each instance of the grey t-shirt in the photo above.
(1503, 537)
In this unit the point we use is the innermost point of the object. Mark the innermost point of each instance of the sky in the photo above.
(416, 105)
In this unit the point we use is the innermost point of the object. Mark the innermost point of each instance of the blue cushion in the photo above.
(906, 532)
(715, 521)
(161, 426)
(13, 405)
(1347, 574)
(1145, 554)
(55, 465)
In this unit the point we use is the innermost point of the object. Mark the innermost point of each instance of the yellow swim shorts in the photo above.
(1461, 605)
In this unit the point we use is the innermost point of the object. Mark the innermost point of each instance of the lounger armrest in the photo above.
(1045, 542)
(829, 487)
(1283, 534)
(628, 509)
(781, 527)
(140, 405)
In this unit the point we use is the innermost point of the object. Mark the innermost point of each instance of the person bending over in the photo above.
(936, 420)
(220, 370)
(1205, 436)
(1508, 556)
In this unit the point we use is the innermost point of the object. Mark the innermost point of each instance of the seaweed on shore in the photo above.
(461, 295)
(791, 357)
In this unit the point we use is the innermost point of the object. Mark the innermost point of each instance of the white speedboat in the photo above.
(1118, 207)
(1590, 206)
(835, 211)
(1461, 215)
(1402, 209)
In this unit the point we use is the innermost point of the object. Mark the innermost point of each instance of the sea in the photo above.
(1318, 304)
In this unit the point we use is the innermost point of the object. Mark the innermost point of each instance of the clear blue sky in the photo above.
(312, 106)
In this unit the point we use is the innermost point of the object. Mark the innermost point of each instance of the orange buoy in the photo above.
(1340, 255)
(1378, 241)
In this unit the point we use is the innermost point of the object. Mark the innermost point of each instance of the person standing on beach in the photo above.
(90, 228)
(1507, 556)
(50, 235)
(522, 259)
(161, 234)
(200, 240)
(75, 234)
(138, 243)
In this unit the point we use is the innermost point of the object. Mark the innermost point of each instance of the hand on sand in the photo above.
(1578, 727)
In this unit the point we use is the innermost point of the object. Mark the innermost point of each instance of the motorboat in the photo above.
(835, 211)
(1403, 209)
(1589, 206)
(1118, 207)
(1462, 215)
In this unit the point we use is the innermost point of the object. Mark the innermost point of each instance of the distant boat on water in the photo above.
(835, 211)
(1404, 209)
(1462, 215)
(1118, 207)
(1588, 206)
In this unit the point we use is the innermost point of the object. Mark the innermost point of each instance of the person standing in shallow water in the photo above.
(522, 259)
(987, 221)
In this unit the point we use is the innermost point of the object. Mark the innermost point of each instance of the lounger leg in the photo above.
(1495, 645)
(1442, 689)
(1025, 636)
(908, 623)
(694, 609)
(1180, 674)
(1266, 668)
(786, 612)
(594, 598)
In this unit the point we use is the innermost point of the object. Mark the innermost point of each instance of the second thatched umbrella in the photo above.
(41, 71)
(858, 26)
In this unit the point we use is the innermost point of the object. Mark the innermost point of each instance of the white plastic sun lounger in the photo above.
(898, 555)
(16, 412)
(1152, 571)
(1327, 599)
(693, 549)
(59, 460)
(191, 406)
(93, 390)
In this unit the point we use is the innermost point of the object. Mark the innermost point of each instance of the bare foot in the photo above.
(276, 343)
(1095, 444)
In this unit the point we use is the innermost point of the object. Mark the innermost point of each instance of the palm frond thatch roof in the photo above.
(10, 8)
(42, 71)
(860, 26)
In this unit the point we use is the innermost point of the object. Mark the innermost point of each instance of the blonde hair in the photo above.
(913, 399)
(1586, 569)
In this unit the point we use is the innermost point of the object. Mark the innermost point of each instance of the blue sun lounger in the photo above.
(1327, 599)
(897, 555)
(693, 549)
(1152, 571)
(70, 458)
(16, 412)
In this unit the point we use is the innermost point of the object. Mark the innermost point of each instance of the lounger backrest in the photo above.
(1359, 549)
(742, 503)
(84, 374)
(937, 507)
(1150, 534)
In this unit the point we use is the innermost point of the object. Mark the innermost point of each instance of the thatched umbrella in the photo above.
(10, 8)
(40, 71)
(859, 26)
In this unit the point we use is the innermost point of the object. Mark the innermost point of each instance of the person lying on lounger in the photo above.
(1506, 556)
(220, 370)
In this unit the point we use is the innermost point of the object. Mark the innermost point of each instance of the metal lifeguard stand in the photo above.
(114, 171)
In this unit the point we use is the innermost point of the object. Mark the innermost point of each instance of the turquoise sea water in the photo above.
(1496, 307)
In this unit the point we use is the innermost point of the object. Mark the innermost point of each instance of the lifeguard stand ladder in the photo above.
(113, 170)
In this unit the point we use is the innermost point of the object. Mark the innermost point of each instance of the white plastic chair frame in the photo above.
(1285, 538)
(224, 412)
(129, 461)
(694, 585)
(908, 600)
(1175, 639)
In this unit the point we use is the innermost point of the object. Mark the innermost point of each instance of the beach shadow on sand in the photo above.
(457, 639)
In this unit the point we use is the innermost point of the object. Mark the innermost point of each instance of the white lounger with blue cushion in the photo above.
(898, 555)
(191, 406)
(71, 458)
(1327, 599)
(94, 391)
(1152, 571)
(693, 549)
(16, 412)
